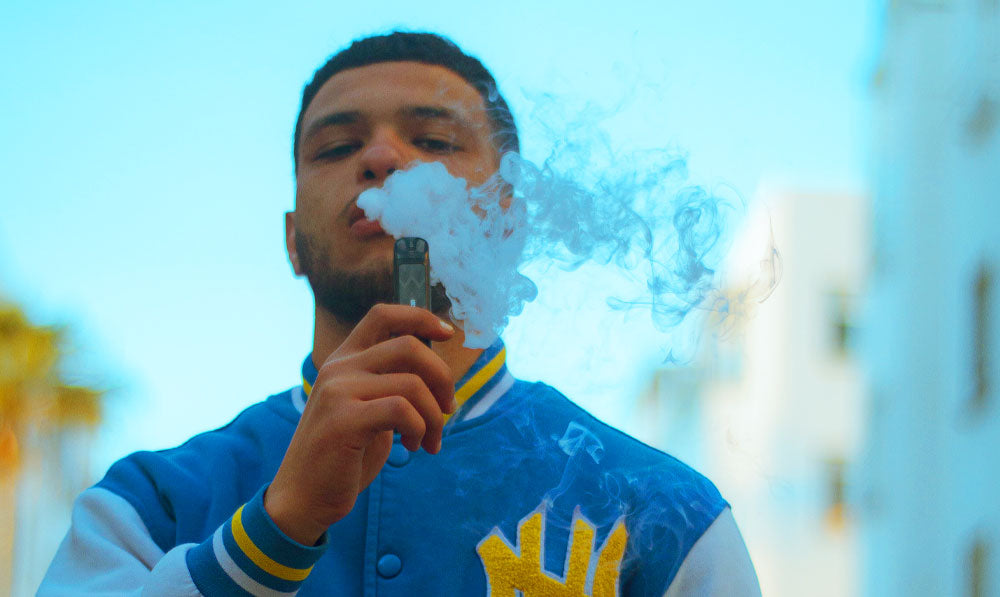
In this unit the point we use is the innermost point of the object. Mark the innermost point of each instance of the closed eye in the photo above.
(434, 145)
(337, 152)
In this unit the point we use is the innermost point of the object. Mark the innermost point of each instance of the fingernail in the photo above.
(454, 405)
(446, 325)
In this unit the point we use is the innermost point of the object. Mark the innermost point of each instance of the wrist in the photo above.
(251, 546)
(289, 520)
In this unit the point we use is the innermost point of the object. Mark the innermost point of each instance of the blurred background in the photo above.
(851, 418)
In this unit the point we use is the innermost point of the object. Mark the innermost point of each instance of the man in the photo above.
(398, 468)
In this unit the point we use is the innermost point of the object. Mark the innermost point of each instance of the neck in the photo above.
(329, 333)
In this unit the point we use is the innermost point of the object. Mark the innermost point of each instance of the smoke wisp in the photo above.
(638, 214)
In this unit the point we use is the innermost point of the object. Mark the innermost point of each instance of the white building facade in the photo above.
(930, 512)
(772, 412)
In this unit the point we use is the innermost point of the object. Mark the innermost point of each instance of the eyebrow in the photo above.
(335, 119)
(429, 112)
(440, 113)
(417, 112)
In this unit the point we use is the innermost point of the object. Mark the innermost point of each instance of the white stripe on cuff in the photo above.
(237, 574)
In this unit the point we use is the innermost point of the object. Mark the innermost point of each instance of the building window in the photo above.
(982, 121)
(982, 357)
(836, 492)
(977, 568)
(841, 318)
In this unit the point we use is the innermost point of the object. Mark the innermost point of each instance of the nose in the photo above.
(383, 155)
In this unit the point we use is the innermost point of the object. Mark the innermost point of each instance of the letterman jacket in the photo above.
(529, 493)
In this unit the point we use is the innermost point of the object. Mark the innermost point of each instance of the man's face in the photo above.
(361, 126)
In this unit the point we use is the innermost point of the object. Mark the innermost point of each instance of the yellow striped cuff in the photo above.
(261, 559)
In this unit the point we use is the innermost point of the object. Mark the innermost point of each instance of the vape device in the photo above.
(411, 273)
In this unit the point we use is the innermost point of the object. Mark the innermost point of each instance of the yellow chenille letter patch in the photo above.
(507, 572)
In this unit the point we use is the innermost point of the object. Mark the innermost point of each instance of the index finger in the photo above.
(385, 321)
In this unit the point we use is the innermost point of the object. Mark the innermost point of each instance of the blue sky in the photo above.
(144, 169)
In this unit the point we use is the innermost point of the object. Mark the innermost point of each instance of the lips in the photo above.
(361, 226)
(365, 228)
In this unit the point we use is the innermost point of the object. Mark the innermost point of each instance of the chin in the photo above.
(361, 254)
(375, 263)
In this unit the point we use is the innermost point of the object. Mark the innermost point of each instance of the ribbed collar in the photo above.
(481, 386)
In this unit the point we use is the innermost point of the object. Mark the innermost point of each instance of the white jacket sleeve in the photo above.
(718, 565)
(108, 551)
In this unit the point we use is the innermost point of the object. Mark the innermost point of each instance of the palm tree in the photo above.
(38, 412)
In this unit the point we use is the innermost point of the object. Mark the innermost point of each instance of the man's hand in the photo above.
(381, 379)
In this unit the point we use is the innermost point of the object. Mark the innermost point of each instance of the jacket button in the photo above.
(389, 565)
(399, 455)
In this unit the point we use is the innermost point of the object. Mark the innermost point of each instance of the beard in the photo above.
(348, 296)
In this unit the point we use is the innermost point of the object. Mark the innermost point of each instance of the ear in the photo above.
(293, 253)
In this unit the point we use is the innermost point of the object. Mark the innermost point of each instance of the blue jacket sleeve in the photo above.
(109, 551)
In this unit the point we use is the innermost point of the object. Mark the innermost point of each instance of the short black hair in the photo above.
(428, 48)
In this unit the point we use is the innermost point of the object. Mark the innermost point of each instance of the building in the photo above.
(772, 408)
(929, 509)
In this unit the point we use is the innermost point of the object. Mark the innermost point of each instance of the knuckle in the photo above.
(411, 343)
(416, 383)
(412, 382)
(398, 407)
(327, 371)
(402, 411)
(334, 366)
(380, 311)
(334, 384)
